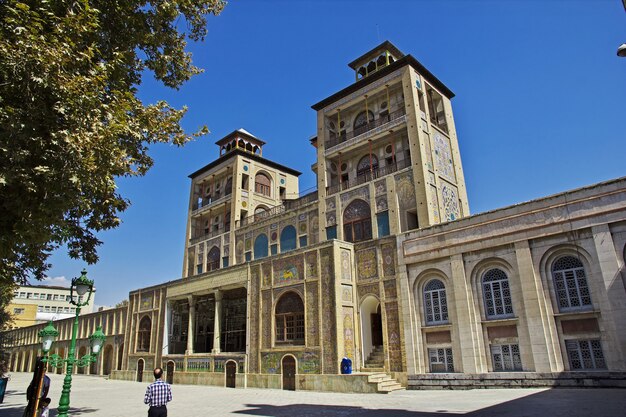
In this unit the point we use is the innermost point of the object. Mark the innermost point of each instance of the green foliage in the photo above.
(70, 119)
(6, 296)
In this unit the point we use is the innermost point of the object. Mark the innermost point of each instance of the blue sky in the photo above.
(540, 105)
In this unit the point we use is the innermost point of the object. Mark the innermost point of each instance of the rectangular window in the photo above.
(29, 295)
(18, 311)
(506, 358)
(199, 269)
(303, 241)
(436, 109)
(383, 223)
(225, 261)
(440, 360)
(585, 354)
(274, 249)
(49, 297)
(40, 309)
(248, 256)
(331, 232)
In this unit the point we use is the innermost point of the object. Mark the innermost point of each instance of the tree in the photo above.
(70, 119)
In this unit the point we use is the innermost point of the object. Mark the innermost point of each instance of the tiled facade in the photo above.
(382, 264)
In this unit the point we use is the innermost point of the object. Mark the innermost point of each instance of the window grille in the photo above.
(506, 358)
(290, 319)
(570, 284)
(440, 360)
(357, 221)
(435, 303)
(585, 354)
(497, 294)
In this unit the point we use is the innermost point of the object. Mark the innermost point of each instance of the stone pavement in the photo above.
(99, 397)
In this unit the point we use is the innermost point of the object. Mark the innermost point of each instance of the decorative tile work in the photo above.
(274, 226)
(298, 288)
(255, 278)
(226, 250)
(329, 329)
(288, 269)
(312, 319)
(367, 265)
(393, 337)
(443, 156)
(270, 363)
(391, 291)
(330, 204)
(346, 293)
(435, 204)
(331, 219)
(302, 217)
(346, 266)
(239, 250)
(248, 245)
(302, 228)
(429, 152)
(266, 274)
(381, 188)
(266, 300)
(309, 363)
(431, 179)
(363, 192)
(146, 301)
(405, 190)
(310, 265)
(450, 202)
(388, 252)
(348, 332)
(364, 290)
(381, 204)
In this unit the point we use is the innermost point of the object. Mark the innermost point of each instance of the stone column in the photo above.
(192, 321)
(612, 298)
(217, 328)
(467, 324)
(541, 328)
(412, 335)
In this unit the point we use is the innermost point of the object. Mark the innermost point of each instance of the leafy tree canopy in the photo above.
(70, 119)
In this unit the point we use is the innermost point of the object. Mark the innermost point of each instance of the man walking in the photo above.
(158, 394)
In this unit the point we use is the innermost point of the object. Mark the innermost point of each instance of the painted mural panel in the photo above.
(289, 269)
(270, 363)
(328, 312)
(267, 274)
(346, 293)
(443, 157)
(348, 332)
(309, 363)
(381, 204)
(393, 337)
(146, 301)
(405, 190)
(429, 152)
(381, 188)
(450, 202)
(346, 266)
(266, 300)
(367, 264)
(311, 265)
(388, 252)
(435, 204)
(312, 318)
(364, 290)
(363, 193)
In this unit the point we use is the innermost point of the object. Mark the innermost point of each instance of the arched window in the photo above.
(290, 319)
(143, 335)
(260, 246)
(570, 284)
(213, 259)
(262, 184)
(260, 212)
(497, 294)
(357, 221)
(361, 121)
(367, 164)
(288, 239)
(435, 303)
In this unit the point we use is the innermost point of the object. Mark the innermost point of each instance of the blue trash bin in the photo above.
(346, 366)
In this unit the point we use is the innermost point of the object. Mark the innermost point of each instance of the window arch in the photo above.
(213, 259)
(290, 319)
(361, 120)
(363, 167)
(288, 239)
(497, 294)
(260, 246)
(570, 284)
(143, 335)
(262, 184)
(357, 221)
(435, 302)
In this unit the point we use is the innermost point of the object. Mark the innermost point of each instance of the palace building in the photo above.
(383, 264)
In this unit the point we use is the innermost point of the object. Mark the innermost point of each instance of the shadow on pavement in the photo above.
(17, 411)
(309, 410)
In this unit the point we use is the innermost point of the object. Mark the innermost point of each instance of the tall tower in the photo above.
(387, 150)
(228, 193)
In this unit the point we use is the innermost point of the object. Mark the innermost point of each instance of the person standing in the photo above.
(158, 394)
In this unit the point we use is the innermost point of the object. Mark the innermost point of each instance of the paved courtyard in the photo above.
(99, 397)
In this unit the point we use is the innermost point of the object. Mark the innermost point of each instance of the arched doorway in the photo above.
(289, 373)
(170, 372)
(107, 360)
(81, 352)
(140, 370)
(231, 371)
(371, 325)
(120, 355)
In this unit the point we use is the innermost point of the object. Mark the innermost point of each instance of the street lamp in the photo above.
(80, 286)
(621, 51)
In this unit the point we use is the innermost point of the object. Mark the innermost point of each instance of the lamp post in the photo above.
(80, 287)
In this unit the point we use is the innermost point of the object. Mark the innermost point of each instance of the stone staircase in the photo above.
(384, 383)
(375, 362)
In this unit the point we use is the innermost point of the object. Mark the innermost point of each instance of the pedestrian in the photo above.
(44, 410)
(158, 394)
(37, 389)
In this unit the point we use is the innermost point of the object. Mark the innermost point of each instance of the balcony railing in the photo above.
(210, 199)
(209, 234)
(335, 139)
(368, 176)
(276, 210)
